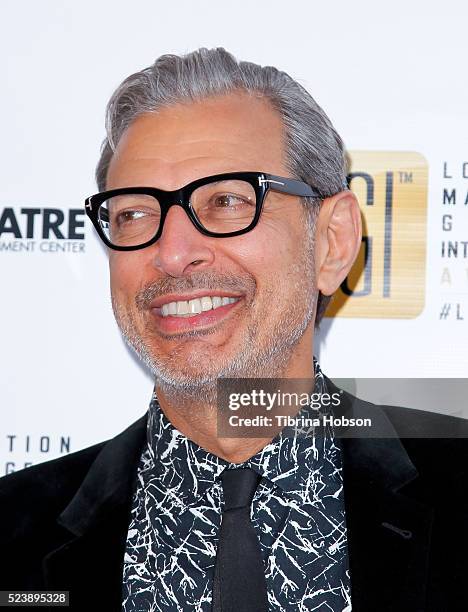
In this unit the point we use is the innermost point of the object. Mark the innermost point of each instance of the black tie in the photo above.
(239, 579)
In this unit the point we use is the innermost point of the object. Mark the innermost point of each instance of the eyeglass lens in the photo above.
(221, 207)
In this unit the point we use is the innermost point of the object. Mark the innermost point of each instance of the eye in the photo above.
(229, 200)
(127, 216)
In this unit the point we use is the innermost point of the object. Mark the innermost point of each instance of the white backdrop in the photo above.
(391, 77)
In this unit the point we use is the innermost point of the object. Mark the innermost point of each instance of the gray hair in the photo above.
(315, 152)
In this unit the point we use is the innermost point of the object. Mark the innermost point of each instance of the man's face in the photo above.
(271, 267)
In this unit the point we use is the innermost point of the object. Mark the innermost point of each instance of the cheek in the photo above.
(271, 249)
(269, 257)
(126, 273)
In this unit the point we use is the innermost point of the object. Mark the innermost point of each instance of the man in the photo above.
(224, 205)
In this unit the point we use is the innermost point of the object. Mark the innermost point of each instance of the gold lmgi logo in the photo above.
(388, 277)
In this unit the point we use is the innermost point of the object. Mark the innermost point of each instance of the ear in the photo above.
(337, 240)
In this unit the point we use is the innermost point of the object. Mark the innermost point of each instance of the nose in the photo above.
(181, 247)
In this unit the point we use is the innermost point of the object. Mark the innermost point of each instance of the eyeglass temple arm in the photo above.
(293, 186)
(290, 186)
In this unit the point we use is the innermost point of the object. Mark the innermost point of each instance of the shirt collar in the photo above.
(293, 463)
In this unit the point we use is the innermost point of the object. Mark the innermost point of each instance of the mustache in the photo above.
(245, 284)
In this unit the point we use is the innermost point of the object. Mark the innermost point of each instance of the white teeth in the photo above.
(195, 306)
(182, 308)
(206, 303)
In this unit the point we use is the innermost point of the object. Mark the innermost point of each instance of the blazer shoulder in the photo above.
(46, 488)
(32, 499)
(436, 443)
(52, 472)
(413, 422)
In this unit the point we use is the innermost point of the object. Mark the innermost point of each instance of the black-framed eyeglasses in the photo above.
(221, 205)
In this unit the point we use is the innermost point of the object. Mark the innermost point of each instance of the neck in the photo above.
(198, 419)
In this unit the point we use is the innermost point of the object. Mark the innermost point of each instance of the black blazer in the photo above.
(63, 523)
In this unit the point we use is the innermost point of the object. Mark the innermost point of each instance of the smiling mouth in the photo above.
(189, 308)
(204, 313)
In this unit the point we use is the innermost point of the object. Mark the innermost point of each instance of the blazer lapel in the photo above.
(90, 566)
(388, 531)
(388, 539)
(89, 562)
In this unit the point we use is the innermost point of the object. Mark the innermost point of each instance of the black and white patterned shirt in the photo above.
(297, 512)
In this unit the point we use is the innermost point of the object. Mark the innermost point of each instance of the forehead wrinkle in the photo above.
(176, 150)
(171, 175)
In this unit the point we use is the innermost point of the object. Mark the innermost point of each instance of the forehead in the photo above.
(183, 142)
